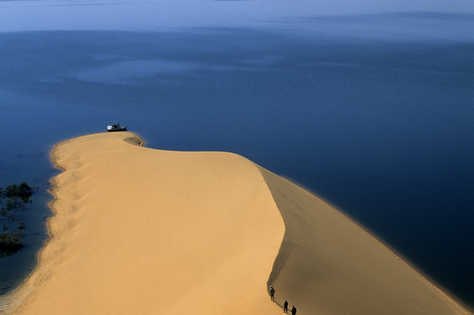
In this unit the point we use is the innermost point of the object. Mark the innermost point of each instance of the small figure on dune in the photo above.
(293, 310)
(272, 293)
(285, 306)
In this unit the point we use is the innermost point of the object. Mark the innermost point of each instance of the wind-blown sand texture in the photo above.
(144, 231)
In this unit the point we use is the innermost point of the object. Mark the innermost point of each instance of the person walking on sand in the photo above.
(285, 306)
(293, 310)
(272, 293)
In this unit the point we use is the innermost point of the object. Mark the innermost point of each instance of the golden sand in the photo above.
(144, 231)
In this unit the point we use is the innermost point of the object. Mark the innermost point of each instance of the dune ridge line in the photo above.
(141, 231)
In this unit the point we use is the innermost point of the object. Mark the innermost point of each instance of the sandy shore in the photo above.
(144, 231)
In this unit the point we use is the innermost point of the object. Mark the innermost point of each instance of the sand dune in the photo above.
(143, 231)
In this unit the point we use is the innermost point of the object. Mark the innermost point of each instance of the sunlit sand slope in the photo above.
(328, 265)
(143, 231)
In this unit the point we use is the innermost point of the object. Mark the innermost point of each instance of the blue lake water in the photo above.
(381, 127)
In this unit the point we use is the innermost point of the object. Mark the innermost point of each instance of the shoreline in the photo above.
(14, 298)
(21, 293)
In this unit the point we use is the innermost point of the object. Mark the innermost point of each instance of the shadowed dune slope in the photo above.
(328, 265)
(143, 231)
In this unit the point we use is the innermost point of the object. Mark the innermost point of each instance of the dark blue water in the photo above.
(383, 129)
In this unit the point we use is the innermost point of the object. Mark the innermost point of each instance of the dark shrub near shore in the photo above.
(17, 196)
(22, 191)
(12, 198)
(9, 244)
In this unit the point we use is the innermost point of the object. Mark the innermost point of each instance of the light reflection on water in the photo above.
(128, 72)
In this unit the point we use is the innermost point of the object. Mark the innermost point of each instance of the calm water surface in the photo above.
(381, 128)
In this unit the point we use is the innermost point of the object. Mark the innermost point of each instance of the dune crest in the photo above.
(144, 231)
